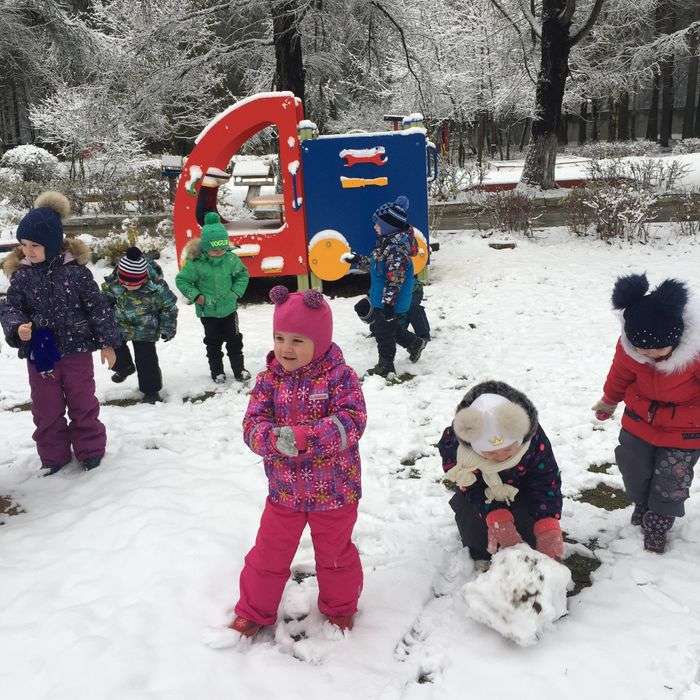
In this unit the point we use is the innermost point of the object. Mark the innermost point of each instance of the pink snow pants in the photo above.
(266, 570)
(73, 386)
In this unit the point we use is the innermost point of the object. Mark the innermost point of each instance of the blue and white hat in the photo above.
(393, 214)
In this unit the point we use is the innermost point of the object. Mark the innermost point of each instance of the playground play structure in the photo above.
(330, 186)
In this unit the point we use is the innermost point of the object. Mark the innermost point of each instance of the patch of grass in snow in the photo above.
(198, 398)
(9, 507)
(600, 468)
(392, 380)
(20, 407)
(122, 402)
(581, 569)
(606, 497)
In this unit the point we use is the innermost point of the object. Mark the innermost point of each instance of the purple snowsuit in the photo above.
(61, 295)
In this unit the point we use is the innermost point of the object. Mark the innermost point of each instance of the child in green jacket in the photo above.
(214, 279)
(146, 311)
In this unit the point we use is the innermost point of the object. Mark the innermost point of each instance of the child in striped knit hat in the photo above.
(146, 311)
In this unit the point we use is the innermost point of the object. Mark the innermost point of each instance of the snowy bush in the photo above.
(620, 211)
(577, 214)
(510, 212)
(31, 162)
(452, 179)
(9, 175)
(115, 244)
(687, 218)
(615, 149)
(687, 146)
(653, 174)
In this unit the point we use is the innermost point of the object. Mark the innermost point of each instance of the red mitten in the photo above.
(604, 408)
(548, 537)
(501, 530)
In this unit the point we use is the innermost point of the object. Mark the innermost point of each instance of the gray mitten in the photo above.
(285, 442)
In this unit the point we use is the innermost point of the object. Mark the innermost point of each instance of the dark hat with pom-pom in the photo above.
(44, 223)
(303, 313)
(392, 216)
(653, 320)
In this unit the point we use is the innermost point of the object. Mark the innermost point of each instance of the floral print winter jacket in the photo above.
(60, 295)
(325, 399)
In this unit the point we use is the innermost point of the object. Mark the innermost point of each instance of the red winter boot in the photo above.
(247, 628)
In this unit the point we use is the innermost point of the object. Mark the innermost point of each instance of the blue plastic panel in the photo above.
(349, 211)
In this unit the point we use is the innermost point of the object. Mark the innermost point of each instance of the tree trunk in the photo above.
(692, 85)
(289, 66)
(623, 119)
(582, 123)
(541, 156)
(612, 119)
(666, 101)
(665, 22)
(653, 116)
(563, 130)
(594, 126)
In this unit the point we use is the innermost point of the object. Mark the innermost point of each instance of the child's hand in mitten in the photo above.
(501, 530)
(549, 538)
(604, 408)
(285, 442)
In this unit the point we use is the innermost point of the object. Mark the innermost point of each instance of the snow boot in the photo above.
(90, 463)
(638, 514)
(655, 527)
(417, 349)
(152, 398)
(242, 375)
(343, 622)
(219, 378)
(383, 368)
(246, 628)
(48, 470)
(119, 377)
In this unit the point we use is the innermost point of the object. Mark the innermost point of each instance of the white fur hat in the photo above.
(491, 422)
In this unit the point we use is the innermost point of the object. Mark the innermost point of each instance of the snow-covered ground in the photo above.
(113, 583)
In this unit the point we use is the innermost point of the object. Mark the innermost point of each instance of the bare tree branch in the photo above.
(497, 5)
(531, 20)
(404, 44)
(566, 15)
(589, 24)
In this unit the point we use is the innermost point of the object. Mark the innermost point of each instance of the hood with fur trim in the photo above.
(192, 250)
(73, 250)
(688, 350)
(508, 392)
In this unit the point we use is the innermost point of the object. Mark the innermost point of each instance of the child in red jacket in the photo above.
(656, 372)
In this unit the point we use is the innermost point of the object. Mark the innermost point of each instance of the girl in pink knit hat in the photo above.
(305, 418)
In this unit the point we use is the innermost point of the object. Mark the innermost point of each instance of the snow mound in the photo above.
(520, 596)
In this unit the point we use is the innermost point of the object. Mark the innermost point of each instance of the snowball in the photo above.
(521, 595)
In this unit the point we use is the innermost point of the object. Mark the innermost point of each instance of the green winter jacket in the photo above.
(143, 314)
(221, 281)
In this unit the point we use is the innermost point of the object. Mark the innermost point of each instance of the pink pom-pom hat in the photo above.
(304, 313)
